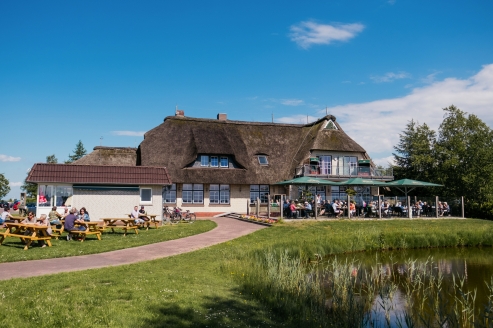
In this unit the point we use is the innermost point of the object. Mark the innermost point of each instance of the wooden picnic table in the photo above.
(18, 219)
(152, 220)
(92, 228)
(128, 224)
(36, 232)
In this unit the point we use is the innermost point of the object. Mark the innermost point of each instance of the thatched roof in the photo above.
(116, 156)
(178, 141)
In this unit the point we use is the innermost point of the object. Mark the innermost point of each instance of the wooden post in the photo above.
(436, 207)
(379, 207)
(268, 206)
(348, 206)
(315, 203)
(258, 206)
(462, 202)
(282, 208)
(409, 209)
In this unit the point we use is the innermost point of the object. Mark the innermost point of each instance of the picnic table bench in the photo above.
(146, 224)
(128, 224)
(36, 232)
(92, 228)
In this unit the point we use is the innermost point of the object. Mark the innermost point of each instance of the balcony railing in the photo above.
(345, 172)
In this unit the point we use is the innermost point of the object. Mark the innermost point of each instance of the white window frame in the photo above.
(194, 192)
(221, 194)
(145, 202)
(221, 161)
(260, 191)
(169, 192)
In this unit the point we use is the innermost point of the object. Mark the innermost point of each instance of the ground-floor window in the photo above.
(193, 193)
(169, 194)
(338, 192)
(49, 195)
(259, 191)
(219, 194)
(145, 196)
(317, 190)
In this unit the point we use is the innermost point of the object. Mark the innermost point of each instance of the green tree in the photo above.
(415, 152)
(4, 186)
(78, 153)
(465, 160)
(51, 159)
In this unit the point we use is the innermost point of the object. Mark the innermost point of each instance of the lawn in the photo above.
(12, 249)
(204, 288)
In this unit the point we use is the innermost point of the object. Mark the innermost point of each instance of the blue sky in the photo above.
(86, 70)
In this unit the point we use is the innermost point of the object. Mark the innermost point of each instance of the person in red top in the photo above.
(292, 208)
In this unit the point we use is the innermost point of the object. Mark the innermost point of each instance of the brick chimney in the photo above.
(179, 112)
(222, 117)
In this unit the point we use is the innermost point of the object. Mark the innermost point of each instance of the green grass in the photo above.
(12, 249)
(206, 288)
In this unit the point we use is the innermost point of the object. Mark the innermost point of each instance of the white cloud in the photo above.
(390, 77)
(430, 78)
(15, 184)
(129, 133)
(297, 119)
(308, 33)
(5, 158)
(384, 161)
(376, 125)
(291, 102)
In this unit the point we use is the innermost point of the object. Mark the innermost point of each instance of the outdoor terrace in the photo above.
(345, 172)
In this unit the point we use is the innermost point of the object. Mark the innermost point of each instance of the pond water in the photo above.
(430, 273)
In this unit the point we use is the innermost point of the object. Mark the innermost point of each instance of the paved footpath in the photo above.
(227, 229)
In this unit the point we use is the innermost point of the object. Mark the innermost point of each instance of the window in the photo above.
(317, 190)
(63, 195)
(260, 191)
(224, 162)
(49, 195)
(214, 161)
(263, 160)
(204, 160)
(169, 193)
(146, 196)
(325, 164)
(193, 193)
(219, 194)
(338, 192)
(330, 125)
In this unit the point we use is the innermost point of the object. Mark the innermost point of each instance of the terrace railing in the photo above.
(345, 172)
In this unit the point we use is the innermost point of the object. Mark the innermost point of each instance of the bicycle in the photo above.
(177, 215)
(167, 214)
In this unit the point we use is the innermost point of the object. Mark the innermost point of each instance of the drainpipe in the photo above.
(268, 206)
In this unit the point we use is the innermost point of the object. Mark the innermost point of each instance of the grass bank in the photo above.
(207, 288)
(12, 249)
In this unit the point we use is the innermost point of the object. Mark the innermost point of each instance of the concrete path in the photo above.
(227, 229)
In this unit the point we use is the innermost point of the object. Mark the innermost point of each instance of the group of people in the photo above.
(140, 216)
(295, 209)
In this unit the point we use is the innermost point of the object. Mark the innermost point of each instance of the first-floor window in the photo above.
(259, 191)
(214, 161)
(204, 160)
(145, 195)
(193, 193)
(169, 193)
(224, 162)
(219, 194)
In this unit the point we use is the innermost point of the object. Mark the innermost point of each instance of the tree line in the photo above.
(459, 156)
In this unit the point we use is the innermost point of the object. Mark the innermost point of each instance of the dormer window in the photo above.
(224, 162)
(214, 161)
(262, 160)
(204, 160)
(330, 125)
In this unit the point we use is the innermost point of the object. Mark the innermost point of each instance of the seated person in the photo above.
(352, 209)
(43, 221)
(54, 216)
(337, 208)
(6, 216)
(143, 214)
(135, 215)
(83, 215)
(294, 212)
(446, 209)
(70, 222)
(65, 213)
(308, 208)
(385, 208)
(31, 219)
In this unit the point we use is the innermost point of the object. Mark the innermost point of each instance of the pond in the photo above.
(444, 287)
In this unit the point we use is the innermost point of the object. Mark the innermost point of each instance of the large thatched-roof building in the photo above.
(219, 165)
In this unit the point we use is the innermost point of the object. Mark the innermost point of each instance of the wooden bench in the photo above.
(92, 228)
(18, 230)
(128, 224)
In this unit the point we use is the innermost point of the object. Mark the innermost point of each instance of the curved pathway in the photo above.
(227, 229)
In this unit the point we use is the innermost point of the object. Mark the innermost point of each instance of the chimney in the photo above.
(179, 112)
(222, 117)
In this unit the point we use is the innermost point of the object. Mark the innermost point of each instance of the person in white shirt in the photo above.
(135, 215)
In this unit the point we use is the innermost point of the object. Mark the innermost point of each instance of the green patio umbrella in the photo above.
(362, 182)
(308, 181)
(405, 183)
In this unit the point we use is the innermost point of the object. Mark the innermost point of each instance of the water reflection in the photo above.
(428, 287)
